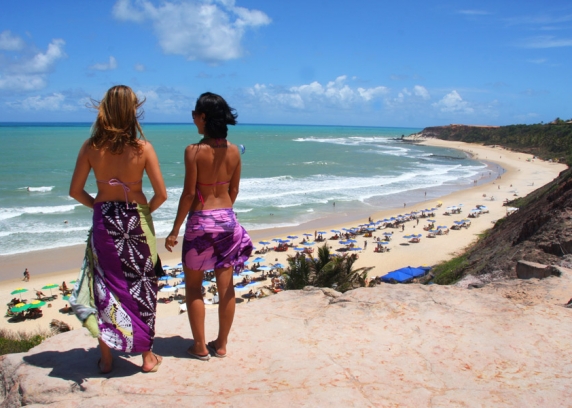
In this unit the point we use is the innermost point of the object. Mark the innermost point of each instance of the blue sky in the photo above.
(409, 63)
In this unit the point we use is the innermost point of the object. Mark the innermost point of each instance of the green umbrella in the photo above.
(66, 297)
(36, 304)
(19, 291)
(20, 307)
(50, 287)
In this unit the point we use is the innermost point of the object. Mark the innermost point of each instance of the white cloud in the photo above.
(53, 102)
(29, 72)
(453, 103)
(105, 66)
(167, 101)
(546, 41)
(421, 91)
(336, 94)
(139, 67)
(8, 42)
(474, 12)
(207, 30)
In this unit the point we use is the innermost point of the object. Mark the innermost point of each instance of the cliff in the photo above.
(506, 344)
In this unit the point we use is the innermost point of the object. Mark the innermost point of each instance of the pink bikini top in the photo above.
(117, 182)
(201, 199)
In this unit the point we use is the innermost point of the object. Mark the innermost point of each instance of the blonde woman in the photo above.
(116, 295)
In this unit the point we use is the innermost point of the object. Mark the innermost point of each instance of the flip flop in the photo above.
(156, 366)
(212, 348)
(100, 370)
(206, 357)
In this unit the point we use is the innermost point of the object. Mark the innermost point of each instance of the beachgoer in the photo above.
(26, 275)
(121, 252)
(213, 237)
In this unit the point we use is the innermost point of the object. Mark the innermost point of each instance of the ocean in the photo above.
(290, 175)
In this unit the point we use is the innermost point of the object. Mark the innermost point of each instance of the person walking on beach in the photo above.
(26, 276)
(121, 254)
(213, 237)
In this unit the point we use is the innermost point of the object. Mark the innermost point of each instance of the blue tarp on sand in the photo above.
(403, 275)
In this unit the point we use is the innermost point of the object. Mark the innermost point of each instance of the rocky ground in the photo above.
(505, 344)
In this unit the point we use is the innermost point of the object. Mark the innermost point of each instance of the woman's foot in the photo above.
(104, 368)
(153, 365)
(216, 351)
(204, 356)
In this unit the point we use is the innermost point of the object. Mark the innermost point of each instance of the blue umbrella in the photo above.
(344, 242)
(168, 288)
(264, 268)
(181, 286)
(335, 231)
(278, 265)
(321, 232)
(246, 273)
(352, 241)
(407, 236)
(292, 236)
(264, 242)
(382, 243)
(355, 249)
(180, 275)
(164, 278)
(258, 259)
(387, 233)
(308, 235)
(283, 241)
(166, 267)
(276, 239)
(299, 249)
(308, 243)
(206, 283)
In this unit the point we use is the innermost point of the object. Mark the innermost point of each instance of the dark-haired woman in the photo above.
(213, 237)
(116, 295)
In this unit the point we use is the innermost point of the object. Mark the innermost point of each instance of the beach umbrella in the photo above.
(351, 241)
(50, 287)
(407, 236)
(387, 233)
(265, 268)
(355, 249)
(299, 249)
(264, 242)
(180, 275)
(168, 288)
(36, 304)
(284, 241)
(246, 273)
(276, 239)
(344, 242)
(278, 265)
(180, 286)
(20, 307)
(165, 267)
(321, 232)
(335, 231)
(19, 291)
(308, 243)
(180, 264)
(382, 243)
(292, 236)
(258, 259)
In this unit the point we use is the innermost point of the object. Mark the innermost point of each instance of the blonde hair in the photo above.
(117, 122)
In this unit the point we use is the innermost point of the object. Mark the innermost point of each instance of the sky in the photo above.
(360, 62)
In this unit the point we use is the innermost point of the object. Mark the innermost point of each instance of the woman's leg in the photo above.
(150, 361)
(106, 361)
(226, 306)
(196, 309)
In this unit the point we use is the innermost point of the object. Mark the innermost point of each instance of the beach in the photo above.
(519, 175)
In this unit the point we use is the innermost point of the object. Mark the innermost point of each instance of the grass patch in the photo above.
(451, 271)
(20, 342)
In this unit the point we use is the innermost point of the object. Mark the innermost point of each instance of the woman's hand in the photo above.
(171, 241)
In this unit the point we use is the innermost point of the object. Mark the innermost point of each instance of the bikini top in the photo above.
(201, 199)
(117, 182)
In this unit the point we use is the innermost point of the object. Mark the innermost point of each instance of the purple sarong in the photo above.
(125, 285)
(214, 239)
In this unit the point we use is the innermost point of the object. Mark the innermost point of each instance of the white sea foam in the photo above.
(42, 189)
(6, 213)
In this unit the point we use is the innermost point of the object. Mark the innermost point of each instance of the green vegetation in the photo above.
(325, 271)
(19, 342)
(451, 271)
(548, 141)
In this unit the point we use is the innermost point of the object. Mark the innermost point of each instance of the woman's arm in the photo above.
(234, 182)
(155, 177)
(187, 196)
(80, 174)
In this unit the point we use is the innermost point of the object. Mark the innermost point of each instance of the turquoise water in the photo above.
(290, 175)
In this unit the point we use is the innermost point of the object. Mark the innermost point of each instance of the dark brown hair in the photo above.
(117, 122)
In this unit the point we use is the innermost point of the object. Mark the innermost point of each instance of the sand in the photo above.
(523, 174)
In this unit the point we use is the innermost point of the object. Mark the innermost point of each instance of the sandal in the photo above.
(156, 366)
(206, 357)
(212, 348)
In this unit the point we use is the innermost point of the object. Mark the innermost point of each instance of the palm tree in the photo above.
(325, 271)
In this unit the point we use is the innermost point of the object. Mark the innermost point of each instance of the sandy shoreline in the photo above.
(57, 265)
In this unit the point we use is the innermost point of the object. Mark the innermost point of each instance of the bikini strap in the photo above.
(117, 182)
